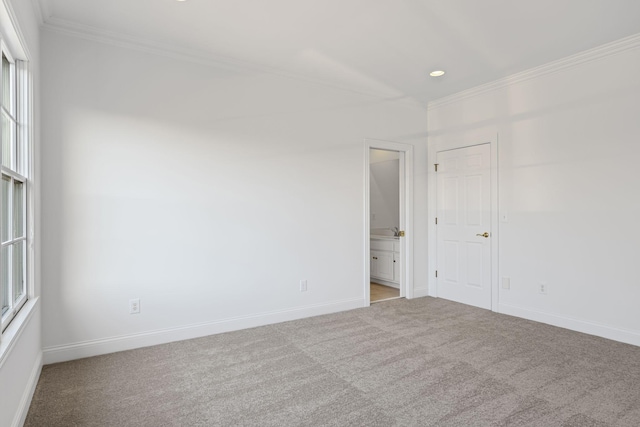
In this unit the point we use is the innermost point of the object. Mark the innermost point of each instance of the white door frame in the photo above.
(432, 209)
(406, 215)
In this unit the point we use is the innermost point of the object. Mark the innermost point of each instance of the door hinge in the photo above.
(436, 273)
(436, 165)
(436, 220)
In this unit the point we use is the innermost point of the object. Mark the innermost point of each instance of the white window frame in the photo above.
(16, 171)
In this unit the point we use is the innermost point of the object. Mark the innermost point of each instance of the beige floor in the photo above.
(419, 362)
(381, 292)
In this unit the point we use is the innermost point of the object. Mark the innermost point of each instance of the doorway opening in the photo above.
(387, 220)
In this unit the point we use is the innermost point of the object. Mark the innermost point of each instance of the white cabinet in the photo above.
(382, 265)
(385, 261)
(396, 267)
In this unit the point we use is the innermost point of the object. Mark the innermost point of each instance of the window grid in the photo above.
(13, 251)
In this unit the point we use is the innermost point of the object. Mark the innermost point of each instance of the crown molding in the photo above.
(42, 10)
(86, 32)
(14, 36)
(594, 54)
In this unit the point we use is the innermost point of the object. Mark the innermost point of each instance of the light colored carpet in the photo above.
(421, 362)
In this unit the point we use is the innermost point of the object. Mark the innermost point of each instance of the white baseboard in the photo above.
(62, 353)
(420, 292)
(385, 282)
(591, 328)
(25, 401)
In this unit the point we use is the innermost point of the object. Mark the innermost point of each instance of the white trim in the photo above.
(495, 225)
(367, 225)
(12, 34)
(432, 213)
(27, 120)
(42, 10)
(594, 54)
(27, 395)
(62, 353)
(12, 334)
(422, 291)
(402, 219)
(406, 201)
(17, 171)
(591, 328)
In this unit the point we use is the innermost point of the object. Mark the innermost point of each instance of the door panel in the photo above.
(473, 195)
(474, 264)
(450, 263)
(385, 265)
(464, 214)
(450, 200)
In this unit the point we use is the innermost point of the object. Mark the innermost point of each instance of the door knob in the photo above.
(485, 235)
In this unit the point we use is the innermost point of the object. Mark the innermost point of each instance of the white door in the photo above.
(463, 225)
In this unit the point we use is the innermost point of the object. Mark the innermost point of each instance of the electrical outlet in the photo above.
(134, 306)
(506, 283)
(543, 288)
(303, 286)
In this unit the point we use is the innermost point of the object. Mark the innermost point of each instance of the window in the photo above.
(13, 229)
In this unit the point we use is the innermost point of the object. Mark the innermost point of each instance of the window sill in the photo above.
(12, 334)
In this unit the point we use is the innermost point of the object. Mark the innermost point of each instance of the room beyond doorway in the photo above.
(382, 293)
(388, 222)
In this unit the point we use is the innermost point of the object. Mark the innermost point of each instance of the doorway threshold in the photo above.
(386, 299)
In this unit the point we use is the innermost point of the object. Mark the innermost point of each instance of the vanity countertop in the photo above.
(375, 236)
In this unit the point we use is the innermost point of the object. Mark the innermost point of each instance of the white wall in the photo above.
(568, 156)
(20, 367)
(385, 194)
(20, 346)
(206, 192)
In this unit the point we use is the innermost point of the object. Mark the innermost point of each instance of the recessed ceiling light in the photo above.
(436, 73)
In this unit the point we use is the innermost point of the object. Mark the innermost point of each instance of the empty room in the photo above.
(319, 213)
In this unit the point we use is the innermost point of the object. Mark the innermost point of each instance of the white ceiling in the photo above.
(382, 47)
